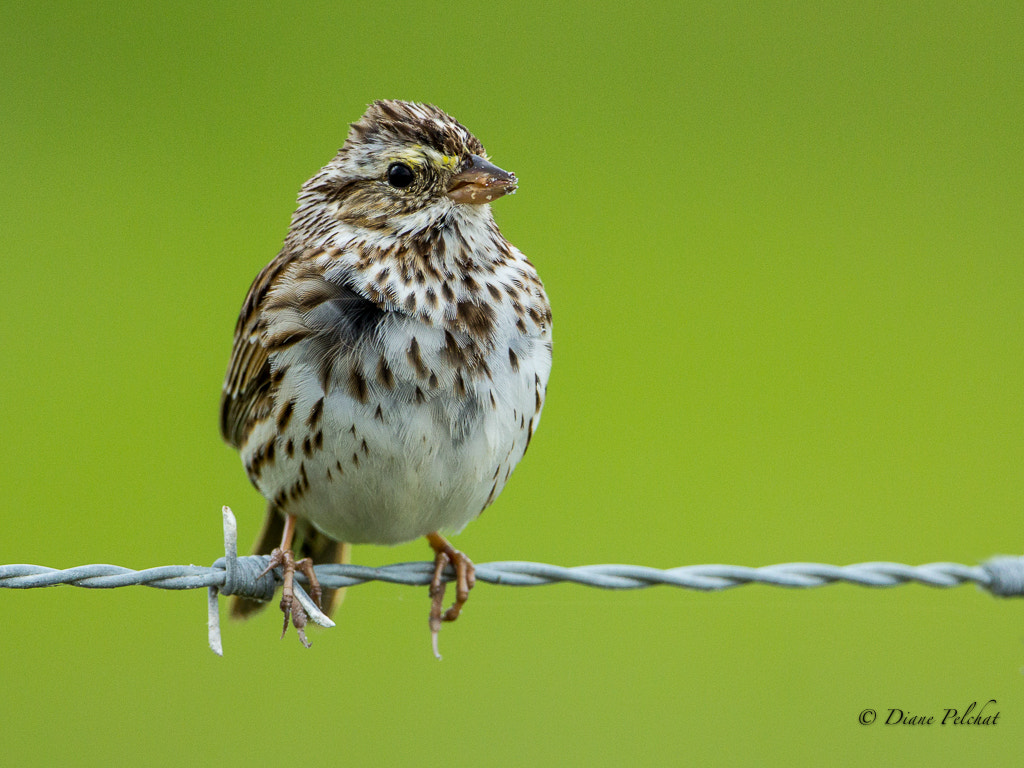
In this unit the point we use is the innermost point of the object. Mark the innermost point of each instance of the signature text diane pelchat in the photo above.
(973, 714)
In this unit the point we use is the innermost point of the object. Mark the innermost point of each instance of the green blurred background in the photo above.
(785, 248)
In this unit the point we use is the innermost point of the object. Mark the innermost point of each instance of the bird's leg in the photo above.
(465, 578)
(284, 557)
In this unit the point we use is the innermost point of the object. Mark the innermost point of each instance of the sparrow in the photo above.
(390, 365)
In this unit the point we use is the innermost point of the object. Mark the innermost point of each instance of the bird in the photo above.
(390, 365)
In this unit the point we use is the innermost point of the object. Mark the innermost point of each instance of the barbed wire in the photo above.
(233, 575)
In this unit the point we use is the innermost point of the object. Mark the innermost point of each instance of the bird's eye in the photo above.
(400, 175)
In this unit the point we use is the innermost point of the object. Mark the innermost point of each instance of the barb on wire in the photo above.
(234, 575)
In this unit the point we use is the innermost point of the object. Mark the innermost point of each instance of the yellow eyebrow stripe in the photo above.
(419, 153)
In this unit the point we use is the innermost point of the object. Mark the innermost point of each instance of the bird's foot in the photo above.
(465, 578)
(290, 606)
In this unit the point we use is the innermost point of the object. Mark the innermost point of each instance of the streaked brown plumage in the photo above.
(390, 365)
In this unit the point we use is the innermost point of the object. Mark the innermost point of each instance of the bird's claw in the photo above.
(290, 606)
(465, 578)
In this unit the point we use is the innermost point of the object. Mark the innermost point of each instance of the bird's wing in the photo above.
(246, 391)
(290, 301)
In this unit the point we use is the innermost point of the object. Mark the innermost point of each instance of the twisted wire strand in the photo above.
(233, 575)
(513, 573)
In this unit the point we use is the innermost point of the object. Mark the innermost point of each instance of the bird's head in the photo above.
(404, 167)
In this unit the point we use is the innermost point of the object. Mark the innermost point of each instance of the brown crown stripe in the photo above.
(394, 120)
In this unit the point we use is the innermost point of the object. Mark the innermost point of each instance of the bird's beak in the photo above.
(481, 182)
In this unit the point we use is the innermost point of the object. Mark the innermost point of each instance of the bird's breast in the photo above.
(405, 428)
